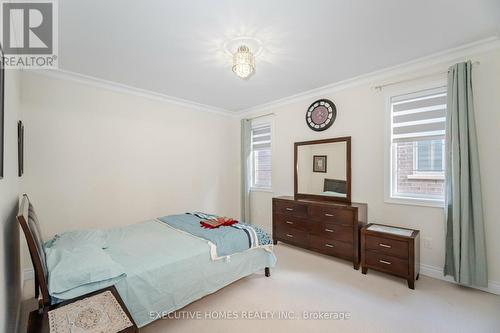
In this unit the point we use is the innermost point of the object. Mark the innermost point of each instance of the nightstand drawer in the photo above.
(387, 263)
(387, 246)
(291, 222)
(333, 215)
(288, 208)
(332, 231)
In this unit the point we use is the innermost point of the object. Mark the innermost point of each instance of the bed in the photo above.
(165, 268)
(335, 187)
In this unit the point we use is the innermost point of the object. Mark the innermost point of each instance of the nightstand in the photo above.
(391, 250)
(39, 319)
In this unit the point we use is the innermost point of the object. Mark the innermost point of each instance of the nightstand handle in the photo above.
(385, 245)
(385, 262)
(328, 245)
(289, 208)
(288, 235)
(329, 230)
(288, 222)
(329, 215)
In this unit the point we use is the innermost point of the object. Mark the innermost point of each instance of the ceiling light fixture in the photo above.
(243, 62)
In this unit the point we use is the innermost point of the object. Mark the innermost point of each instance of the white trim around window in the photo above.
(388, 173)
(256, 123)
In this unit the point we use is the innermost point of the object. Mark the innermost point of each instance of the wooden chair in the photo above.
(29, 223)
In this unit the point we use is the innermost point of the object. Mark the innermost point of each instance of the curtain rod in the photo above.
(262, 115)
(379, 87)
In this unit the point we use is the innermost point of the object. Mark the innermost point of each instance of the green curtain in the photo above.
(246, 129)
(465, 237)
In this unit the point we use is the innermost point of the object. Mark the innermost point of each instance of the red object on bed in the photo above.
(215, 223)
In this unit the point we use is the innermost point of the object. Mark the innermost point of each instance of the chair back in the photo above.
(31, 228)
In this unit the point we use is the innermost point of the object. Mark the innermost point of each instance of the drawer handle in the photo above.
(289, 209)
(329, 230)
(385, 245)
(288, 235)
(329, 215)
(328, 245)
(385, 262)
(288, 222)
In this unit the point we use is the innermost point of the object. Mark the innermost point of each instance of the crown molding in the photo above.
(126, 89)
(445, 58)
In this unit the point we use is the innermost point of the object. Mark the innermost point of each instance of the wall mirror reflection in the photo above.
(323, 169)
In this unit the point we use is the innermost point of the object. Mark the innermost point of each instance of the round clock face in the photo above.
(321, 115)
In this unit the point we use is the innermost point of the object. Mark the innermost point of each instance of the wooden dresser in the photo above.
(327, 227)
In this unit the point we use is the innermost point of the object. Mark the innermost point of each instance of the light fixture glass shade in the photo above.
(243, 62)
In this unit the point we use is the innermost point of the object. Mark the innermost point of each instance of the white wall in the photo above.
(361, 115)
(10, 286)
(98, 158)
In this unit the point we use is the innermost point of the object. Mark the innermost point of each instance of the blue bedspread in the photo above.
(167, 269)
(164, 268)
(227, 239)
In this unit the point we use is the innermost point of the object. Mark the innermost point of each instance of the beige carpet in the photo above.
(309, 282)
(303, 281)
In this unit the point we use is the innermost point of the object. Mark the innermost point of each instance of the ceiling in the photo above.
(176, 47)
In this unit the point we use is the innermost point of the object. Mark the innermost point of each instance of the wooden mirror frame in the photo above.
(347, 140)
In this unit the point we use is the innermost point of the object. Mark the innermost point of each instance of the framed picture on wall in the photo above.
(20, 148)
(2, 116)
(319, 163)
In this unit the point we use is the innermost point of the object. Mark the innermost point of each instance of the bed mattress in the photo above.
(167, 269)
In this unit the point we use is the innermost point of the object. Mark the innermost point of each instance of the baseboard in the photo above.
(427, 270)
(437, 273)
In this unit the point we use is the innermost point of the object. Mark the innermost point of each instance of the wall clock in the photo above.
(321, 115)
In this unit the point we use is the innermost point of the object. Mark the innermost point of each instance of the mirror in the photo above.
(323, 169)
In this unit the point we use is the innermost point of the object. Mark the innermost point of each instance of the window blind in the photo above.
(261, 137)
(419, 117)
(261, 153)
(418, 125)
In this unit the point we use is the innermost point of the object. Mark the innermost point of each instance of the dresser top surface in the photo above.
(389, 230)
(322, 202)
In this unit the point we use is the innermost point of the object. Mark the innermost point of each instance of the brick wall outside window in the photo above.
(405, 154)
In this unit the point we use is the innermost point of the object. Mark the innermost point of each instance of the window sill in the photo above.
(415, 202)
(426, 176)
(261, 189)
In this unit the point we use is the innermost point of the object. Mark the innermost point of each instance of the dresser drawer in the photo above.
(387, 263)
(292, 235)
(290, 222)
(289, 208)
(331, 247)
(387, 246)
(332, 214)
(330, 230)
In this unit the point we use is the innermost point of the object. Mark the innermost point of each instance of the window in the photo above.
(261, 156)
(417, 145)
(429, 156)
